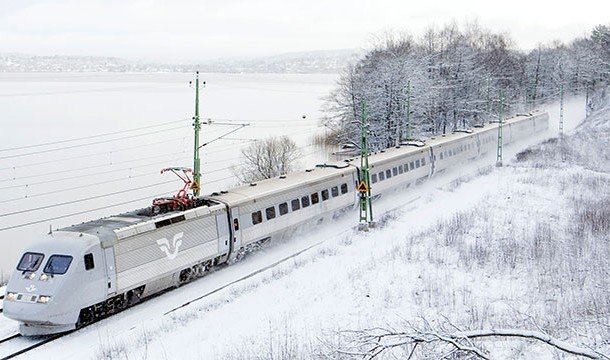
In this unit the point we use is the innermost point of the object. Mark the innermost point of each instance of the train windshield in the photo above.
(30, 261)
(58, 264)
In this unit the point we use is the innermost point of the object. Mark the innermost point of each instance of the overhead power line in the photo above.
(87, 185)
(92, 143)
(91, 136)
(90, 174)
(86, 199)
(77, 187)
(89, 167)
(95, 209)
(107, 152)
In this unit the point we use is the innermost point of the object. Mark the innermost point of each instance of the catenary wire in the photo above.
(91, 136)
(90, 144)
(96, 209)
(86, 199)
(107, 152)
(90, 167)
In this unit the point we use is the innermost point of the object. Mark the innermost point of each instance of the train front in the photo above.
(43, 291)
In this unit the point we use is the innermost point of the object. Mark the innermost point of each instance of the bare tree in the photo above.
(445, 343)
(267, 158)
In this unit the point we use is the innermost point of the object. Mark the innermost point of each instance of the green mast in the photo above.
(408, 120)
(500, 124)
(196, 186)
(364, 188)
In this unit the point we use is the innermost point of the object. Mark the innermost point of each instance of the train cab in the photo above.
(52, 281)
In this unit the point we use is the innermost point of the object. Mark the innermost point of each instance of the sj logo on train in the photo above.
(165, 246)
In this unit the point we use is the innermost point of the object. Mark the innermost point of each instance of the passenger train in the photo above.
(82, 273)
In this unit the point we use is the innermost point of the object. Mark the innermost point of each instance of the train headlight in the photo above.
(10, 296)
(44, 277)
(30, 276)
(43, 299)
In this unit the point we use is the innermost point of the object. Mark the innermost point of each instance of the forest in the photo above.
(456, 77)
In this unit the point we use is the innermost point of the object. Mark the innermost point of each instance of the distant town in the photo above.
(332, 61)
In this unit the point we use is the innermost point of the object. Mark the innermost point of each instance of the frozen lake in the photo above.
(50, 108)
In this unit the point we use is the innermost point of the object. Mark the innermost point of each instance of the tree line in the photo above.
(457, 77)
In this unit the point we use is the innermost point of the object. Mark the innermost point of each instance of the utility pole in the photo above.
(500, 123)
(488, 98)
(561, 109)
(408, 120)
(196, 186)
(364, 188)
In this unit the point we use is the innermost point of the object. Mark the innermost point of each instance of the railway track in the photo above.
(16, 345)
(253, 273)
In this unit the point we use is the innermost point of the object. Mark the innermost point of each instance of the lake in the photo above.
(109, 133)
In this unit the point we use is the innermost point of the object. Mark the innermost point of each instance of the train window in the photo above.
(283, 208)
(395, 171)
(406, 167)
(89, 264)
(334, 191)
(441, 156)
(236, 224)
(374, 178)
(30, 261)
(423, 161)
(344, 189)
(400, 169)
(270, 212)
(412, 165)
(325, 195)
(305, 201)
(315, 198)
(58, 264)
(417, 163)
(381, 176)
(388, 173)
(296, 205)
(257, 217)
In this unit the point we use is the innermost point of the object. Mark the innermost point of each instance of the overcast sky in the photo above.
(205, 29)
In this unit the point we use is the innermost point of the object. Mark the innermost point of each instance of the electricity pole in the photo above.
(196, 186)
(561, 109)
(364, 188)
(408, 122)
(500, 123)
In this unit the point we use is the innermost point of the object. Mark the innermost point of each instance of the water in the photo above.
(43, 108)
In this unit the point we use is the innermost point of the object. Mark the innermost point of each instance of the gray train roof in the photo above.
(136, 221)
(394, 152)
(112, 228)
(285, 182)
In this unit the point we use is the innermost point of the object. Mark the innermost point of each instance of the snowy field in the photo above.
(43, 108)
(524, 246)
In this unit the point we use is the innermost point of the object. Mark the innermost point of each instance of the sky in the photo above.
(211, 29)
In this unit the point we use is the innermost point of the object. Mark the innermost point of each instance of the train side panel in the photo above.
(159, 255)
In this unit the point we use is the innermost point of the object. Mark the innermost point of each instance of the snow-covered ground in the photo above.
(502, 247)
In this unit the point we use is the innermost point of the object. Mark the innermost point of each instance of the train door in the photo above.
(432, 161)
(110, 271)
(223, 233)
(236, 229)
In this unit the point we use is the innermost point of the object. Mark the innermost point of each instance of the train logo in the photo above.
(31, 288)
(165, 247)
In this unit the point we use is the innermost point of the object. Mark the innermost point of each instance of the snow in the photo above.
(406, 269)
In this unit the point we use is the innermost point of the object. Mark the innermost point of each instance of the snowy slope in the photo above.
(437, 257)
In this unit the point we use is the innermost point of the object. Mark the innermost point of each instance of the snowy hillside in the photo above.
(522, 247)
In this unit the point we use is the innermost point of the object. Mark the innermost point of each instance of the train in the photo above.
(79, 274)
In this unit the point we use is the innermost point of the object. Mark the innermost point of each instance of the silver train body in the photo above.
(85, 272)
